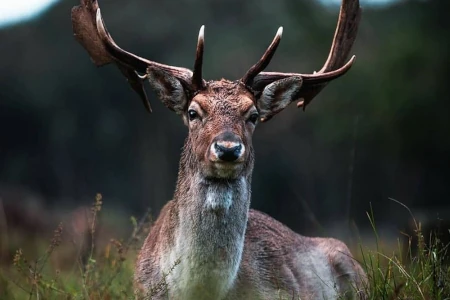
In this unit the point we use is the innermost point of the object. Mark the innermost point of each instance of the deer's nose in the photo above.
(227, 151)
(227, 147)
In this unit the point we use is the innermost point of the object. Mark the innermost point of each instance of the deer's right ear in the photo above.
(169, 89)
(277, 95)
(171, 83)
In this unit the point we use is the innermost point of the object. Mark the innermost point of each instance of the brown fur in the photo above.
(274, 261)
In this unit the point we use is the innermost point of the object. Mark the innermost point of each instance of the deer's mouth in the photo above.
(227, 164)
(226, 170)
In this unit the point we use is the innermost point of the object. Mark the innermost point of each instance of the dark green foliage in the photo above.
(382, 130)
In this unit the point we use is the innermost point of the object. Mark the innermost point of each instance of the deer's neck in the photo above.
(209, 240)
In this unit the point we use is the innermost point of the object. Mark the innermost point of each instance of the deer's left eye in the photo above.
(253, 118)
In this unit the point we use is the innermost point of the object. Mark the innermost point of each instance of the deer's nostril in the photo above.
(228, 151)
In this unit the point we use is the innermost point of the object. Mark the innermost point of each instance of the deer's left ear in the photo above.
(277, 95)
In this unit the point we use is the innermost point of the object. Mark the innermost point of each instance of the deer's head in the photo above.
(221, 115)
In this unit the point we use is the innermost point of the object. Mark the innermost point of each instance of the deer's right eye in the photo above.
(192, 114)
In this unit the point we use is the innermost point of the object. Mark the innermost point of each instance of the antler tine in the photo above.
(132, 60)
(197, 78)
(344, 36)
(334, 67)
(247, 79)
(90, 31)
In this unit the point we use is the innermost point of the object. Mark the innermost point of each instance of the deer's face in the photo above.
(221, 122)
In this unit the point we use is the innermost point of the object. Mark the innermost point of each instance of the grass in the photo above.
(419, 270)
(95, 273)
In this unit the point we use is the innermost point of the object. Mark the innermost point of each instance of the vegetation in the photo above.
(420, 271)
(74, 129)
(381, 131)
(417, 271)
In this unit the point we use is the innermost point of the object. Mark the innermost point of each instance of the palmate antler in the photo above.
(334, 67)
(90, 31)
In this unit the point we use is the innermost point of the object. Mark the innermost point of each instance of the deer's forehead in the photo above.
(216, 102)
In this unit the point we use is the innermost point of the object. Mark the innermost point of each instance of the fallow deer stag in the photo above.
(206, 242)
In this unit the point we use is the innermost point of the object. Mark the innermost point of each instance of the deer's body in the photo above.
(206, 242)
(265, 260)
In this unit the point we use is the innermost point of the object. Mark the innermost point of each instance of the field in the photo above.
(92, 265)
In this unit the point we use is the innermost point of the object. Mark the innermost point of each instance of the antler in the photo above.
(247, 79)
(333, 68)
(90, 31)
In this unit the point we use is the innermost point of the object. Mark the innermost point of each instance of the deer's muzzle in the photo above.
(227, 147)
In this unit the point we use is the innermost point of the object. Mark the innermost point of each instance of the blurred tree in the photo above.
(69, 130)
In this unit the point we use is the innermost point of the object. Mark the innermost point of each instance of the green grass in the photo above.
(94, 273)
(419, 270)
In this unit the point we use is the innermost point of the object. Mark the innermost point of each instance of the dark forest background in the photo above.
(69, 130)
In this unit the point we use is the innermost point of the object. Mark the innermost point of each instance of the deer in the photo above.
(206, 242)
